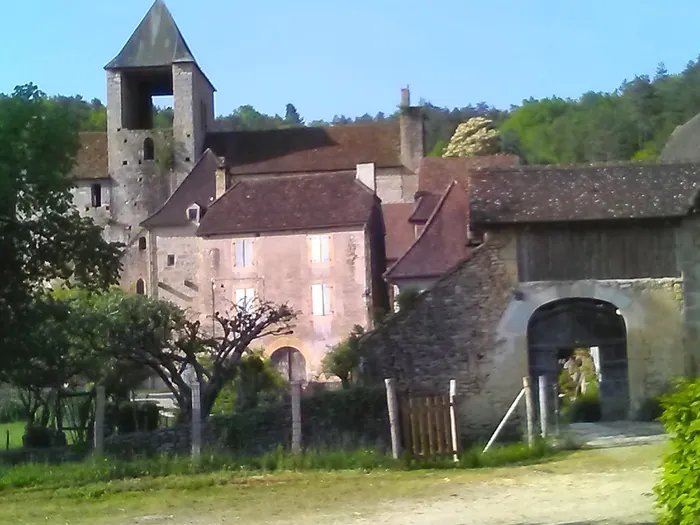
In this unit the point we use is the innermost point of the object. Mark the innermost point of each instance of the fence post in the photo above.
(453, 420)
(530, 413)
(392, 404)
(196, 441)
(544, 413)
(296, 417)
(99, 431)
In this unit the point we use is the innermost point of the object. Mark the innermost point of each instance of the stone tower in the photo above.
(147, 164)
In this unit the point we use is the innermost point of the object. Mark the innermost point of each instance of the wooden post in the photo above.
(296, 417)
(453, 420)
(7, 441)
(555, 388)
(503, 421)
(99, 433)
(392, 404)
(530, 411)
(544, 412)
(196, 441)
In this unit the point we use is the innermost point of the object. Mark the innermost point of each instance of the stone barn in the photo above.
(600, 257)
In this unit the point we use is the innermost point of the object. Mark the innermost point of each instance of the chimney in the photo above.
(220, 179)
(412, 132)
(365, 174)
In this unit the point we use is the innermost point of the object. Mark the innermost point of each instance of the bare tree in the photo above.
(158, 335)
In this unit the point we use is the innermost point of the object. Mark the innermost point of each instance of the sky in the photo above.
(330, 57)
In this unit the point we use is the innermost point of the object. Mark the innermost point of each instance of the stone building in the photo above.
(599, 257)
(211, 218)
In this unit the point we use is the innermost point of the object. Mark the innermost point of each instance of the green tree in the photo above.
(344, 358)
(291, 117)
(43, 238)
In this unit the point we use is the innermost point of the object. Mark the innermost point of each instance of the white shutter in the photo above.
(240, 298)
(248, 252)
(317, 299)
(238, 253)
(325, 248)
(315, 248)
(326, 299)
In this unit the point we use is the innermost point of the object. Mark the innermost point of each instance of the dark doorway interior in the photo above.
(291, 363)
(560, 331)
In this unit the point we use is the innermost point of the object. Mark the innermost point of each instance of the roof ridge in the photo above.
(428, 224)
(300, 128)
(583, 167)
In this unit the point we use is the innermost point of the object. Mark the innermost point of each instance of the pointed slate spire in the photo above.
(156, 42)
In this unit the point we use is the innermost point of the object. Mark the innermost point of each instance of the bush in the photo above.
(130, 417)
(678, 493)
(585, 408)
(42, 437)
(11, 410)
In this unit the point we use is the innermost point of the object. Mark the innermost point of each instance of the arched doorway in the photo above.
(561, 331)
(290, 362)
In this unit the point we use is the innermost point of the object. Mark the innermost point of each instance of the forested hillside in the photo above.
(631, 123)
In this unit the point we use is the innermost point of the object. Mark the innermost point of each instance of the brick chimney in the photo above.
(412, 132)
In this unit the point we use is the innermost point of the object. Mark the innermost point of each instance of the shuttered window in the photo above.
(320, 248)
(243, 250)
(321, 299)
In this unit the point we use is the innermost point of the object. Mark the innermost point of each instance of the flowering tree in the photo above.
(474, 138)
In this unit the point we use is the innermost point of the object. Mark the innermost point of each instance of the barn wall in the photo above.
(597, 251)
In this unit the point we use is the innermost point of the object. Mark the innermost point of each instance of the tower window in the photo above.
(148, 149)
(140, 287)
(96, 195)
(142, 243)
(171, 259)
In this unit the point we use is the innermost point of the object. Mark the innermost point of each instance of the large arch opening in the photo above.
(290, 362)
(581, 344)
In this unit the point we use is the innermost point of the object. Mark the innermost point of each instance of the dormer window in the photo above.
(193, 213)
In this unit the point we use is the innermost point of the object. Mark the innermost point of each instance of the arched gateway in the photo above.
(560, 332)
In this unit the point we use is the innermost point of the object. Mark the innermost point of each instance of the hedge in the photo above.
(678, 492)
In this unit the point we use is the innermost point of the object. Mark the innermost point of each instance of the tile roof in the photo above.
(442, 243)
(684, 143)
(157, 41)
(572, 193)
(425, 204)
(435, 173)
(199, 187)
(399, 233)
(92, 160)
(307, 149)
(290, 203)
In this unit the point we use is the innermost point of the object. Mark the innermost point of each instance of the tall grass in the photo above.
(104, 470)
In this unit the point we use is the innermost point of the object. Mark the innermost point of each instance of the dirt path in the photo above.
(596, 487)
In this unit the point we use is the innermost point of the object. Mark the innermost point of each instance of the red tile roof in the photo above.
(92, 161)
(199, 187)
(398, 231)
(308, 149)
(290, 203)
(441, 244)
(424, 207)
(435, 173)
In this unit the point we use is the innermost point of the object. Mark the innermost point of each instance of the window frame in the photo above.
(320, 249)
(322, 292)
(96, 195)
(247, 255)
(249, 296)
(170, 257)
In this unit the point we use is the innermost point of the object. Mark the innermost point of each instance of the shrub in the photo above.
(42, 437)
(134, 417)
(344, 358)
(585, 408)
(678, 493)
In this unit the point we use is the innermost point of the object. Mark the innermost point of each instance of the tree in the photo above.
(344, 358)
(473, 138)
(43, 238)
(158, 335)
(292, 118)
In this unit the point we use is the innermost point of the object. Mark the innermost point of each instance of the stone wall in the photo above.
(396, 185)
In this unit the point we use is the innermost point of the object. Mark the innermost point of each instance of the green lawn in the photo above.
(16, 431)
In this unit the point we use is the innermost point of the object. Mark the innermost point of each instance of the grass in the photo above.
(16, 431)
(240, 496)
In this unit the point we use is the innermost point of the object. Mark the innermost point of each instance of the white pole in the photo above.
(529, 407)
(503, 421)
(99, 431)
(543, 406)
(453, 420)
(393, 407)
(196, 420)
(296, 417)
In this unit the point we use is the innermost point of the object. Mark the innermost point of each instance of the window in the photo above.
(193, 213)
(243, 253)
(320, 248)
(140, 287)
(96, 195)
(321, 299)
(245, 298)
(142, 243)
(171, 259)
(148, 149)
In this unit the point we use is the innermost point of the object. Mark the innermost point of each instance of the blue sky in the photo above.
(332, 57)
